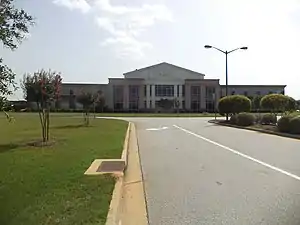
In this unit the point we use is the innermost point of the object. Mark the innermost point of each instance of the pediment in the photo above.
(164, 72)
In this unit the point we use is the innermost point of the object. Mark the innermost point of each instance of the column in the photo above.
(148, 95)
(187, 96)
(153, 96)
(175, 91)
(180, 96)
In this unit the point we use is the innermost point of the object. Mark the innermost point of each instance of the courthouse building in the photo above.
(143, 89)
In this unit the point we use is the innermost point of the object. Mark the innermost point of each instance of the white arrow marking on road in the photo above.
(156, 129)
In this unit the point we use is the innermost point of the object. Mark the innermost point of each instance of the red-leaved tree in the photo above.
(43, 88)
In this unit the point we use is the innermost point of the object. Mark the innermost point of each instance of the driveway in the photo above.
(200, 173)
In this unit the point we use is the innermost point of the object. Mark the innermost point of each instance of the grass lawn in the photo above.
(77, 114)
(157, 114)
(47, 185)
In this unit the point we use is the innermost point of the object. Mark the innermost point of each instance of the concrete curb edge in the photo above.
(258, 130)
(114, 207)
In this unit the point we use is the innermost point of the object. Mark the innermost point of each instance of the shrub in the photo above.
(245, 119)
(283, 123)
(276, 102)
(233, 119)
(269, 119)
(234, 104)
(258, 118)
(294, 125)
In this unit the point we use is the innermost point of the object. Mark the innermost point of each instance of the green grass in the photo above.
(157, 114)
(76, 114)
(47, 185)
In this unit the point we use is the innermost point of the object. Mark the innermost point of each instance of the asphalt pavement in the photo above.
(201, 173)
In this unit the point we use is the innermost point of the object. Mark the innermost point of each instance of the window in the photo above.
(145, 90)
(150, 86)
(195, 90)
(210, 106)
(164, 90)
(246, 93)
(133, 97)
(133, 91)
(195, 105)
(258, 92)
(183, 104)
(150, 104)
(210, 91)
(145, 104)
(177, 90)
(118, 97)
(195, 98)
(183, 90)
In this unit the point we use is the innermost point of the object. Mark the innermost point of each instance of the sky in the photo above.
(91, 40)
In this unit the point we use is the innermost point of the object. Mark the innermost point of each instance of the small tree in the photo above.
(42, 87)
(99, 102)
(87, 100)
(276, 103)
(234, 104)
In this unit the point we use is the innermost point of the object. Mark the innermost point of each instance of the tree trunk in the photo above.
(47, 123)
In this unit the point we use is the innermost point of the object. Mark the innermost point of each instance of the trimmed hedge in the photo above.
(234, 104)
(284, 123)
(294, 125)
(233, 119)
(245, 119)
(268, 119)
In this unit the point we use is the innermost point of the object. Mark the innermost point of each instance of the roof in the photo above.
(163, 63)
(81, 83)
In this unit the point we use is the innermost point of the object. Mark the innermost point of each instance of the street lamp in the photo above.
(226, 53)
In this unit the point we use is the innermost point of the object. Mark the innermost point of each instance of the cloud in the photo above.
(126, 46)
(124, 24)
(81, 5)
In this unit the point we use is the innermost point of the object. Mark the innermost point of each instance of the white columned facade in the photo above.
(153, 96)
(180, 98)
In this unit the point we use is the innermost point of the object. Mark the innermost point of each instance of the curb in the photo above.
(113, 215)
(258, 130)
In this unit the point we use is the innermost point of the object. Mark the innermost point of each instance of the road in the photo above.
(200, 173)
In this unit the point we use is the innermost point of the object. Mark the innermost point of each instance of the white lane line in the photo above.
(241, 154)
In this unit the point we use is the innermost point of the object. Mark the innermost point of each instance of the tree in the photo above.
(42, 87)
(14, 25)
(100, 102)
(291, 104)
(276, 103)
(87, 100)
(234, 104)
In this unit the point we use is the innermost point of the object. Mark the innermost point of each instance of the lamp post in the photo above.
(226, 53)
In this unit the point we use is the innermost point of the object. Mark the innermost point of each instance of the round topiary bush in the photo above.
(233, 119)
(234, 104)
(295, 125)
(245, 119)
(283, 123)
(269, 119)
